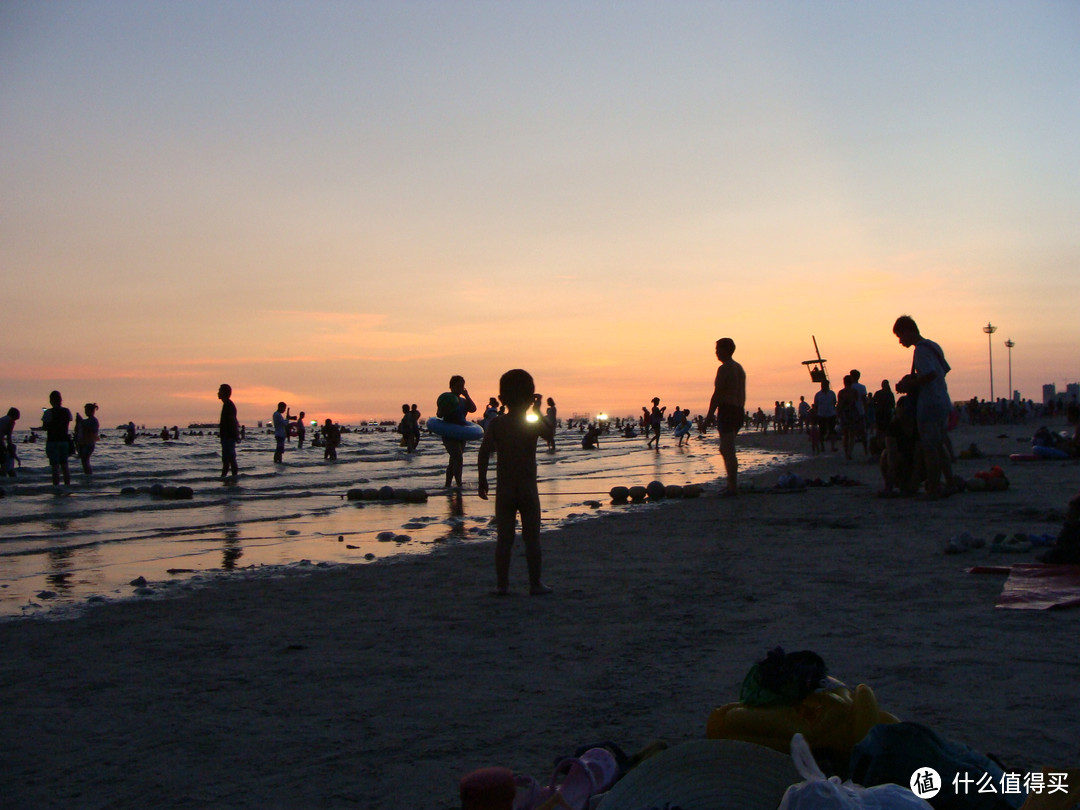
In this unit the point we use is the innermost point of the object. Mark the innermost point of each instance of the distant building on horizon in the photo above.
(1070, 396)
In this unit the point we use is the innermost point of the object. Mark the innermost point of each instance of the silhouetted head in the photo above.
(224, 391)
(89, 408)
(457, 383)
(14, 413)
(855, 374)
(906, 330)
(281, 406)
(55, 399)
(516, 388)
(725, 347)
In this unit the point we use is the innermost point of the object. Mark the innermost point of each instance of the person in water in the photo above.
(281, 432)
(656, 419)
(512, 436)
(8, 452)
(454, 406)
(553, 420)
(591, 439)
(490, 412)
(414, 423)
(331, 439)
(301, 431)
(228, 432)
(728, 403)
(405, 427)
(86, 435)
(55, 421)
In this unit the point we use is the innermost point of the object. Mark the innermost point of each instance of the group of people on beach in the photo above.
(512, 431)
(912, 430)
(60, 441)
(924, 396)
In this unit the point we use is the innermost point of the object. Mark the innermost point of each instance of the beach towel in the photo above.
(1041, 586)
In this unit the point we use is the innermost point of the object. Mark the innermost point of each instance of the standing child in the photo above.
(455, 406)
(656, 419)
(513, 436)
(87, 435)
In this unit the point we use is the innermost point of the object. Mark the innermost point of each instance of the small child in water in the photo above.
(513, 436)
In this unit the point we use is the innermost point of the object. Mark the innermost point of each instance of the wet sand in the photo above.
(379, 686)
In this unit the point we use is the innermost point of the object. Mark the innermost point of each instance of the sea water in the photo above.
(62, 548)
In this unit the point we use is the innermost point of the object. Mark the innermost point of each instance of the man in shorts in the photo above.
(932, 405)
(729, 404)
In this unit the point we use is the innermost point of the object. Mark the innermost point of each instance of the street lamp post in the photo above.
(990, 329)
(1009, 345)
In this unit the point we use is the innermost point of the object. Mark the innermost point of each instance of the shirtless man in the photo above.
(728, 403)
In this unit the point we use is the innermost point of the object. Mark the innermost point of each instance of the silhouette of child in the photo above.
(454, 406)
(513, 436)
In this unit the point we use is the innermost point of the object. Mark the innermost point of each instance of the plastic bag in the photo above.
(819, 793)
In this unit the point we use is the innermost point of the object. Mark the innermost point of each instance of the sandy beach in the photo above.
(379, 686)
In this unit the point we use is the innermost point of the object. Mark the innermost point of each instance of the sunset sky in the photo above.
(340, 204)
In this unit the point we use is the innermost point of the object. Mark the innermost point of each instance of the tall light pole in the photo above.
(1009, 345)
(990, 329)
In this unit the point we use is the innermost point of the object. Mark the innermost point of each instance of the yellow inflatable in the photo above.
(832, 720)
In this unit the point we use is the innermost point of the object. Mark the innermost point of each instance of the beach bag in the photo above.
(893, 753)
(819, 793)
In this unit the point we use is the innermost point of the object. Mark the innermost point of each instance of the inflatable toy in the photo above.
(1044, 451)
(1026, 457)
(832, 720)
(451, 430)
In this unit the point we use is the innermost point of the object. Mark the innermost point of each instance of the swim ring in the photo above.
(451, 430)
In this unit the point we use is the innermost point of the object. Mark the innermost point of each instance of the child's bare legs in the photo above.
(456, 464)
(530, 535)
(655, 438)
(506, 510)
(505, 526)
